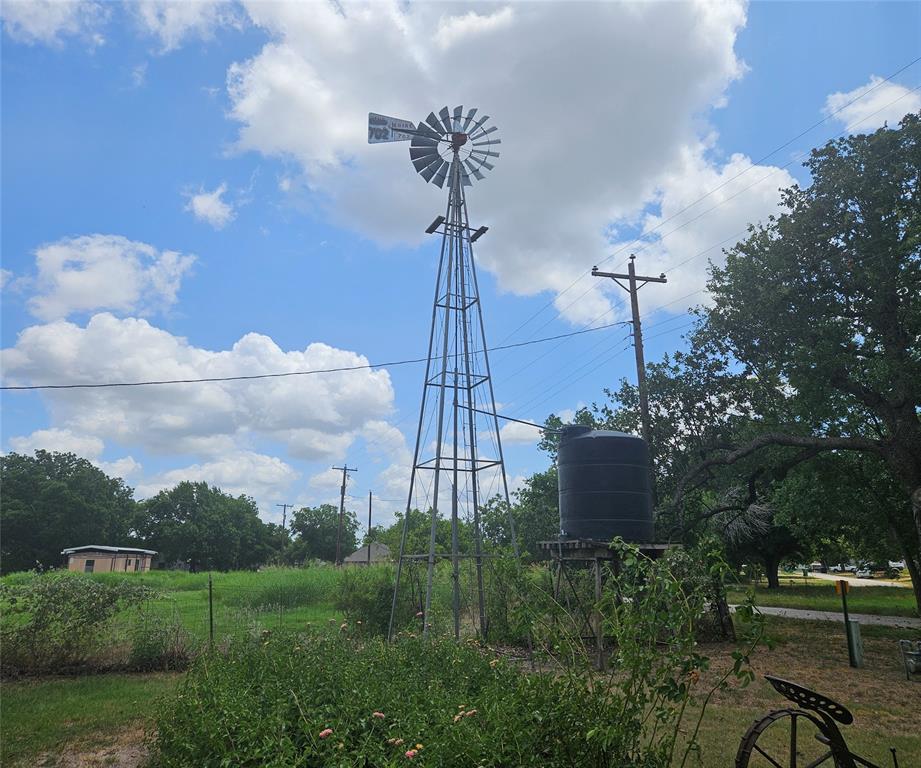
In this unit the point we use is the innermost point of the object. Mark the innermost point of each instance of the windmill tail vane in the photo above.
(458, 459)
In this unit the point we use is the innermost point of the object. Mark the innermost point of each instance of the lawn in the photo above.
(108, 714)
(820, 596)
(46, 718)
(886, 707)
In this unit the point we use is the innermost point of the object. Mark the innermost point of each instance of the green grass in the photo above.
(820, 596)
(42, 716)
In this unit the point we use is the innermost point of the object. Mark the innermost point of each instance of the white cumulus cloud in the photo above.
(60, 440)
(211, 208)
(92, 272)
(598, 106)
(173, 22)
(884, 102)
(313, 417)
(50, 21)
(242, 472)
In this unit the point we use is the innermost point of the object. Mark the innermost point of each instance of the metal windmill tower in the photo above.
(458, 451)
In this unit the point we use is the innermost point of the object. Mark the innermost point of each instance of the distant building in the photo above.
(380, 553)
(94, 558)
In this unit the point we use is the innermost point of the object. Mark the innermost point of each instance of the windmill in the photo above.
(458, 449)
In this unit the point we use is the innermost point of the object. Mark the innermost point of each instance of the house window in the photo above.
(137, 564)
(88, 566)
(129, 562)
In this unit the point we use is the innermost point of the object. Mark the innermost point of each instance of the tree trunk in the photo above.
(915, 573)
(771, 566)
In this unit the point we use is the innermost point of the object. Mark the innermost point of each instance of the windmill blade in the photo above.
(436, 126)
(456, 123)
(473, 170)
(416, 152)
(428, 173)
(421, 163)
(486, 143)
(484, 164)
(439, 177)
(484, 153)
(486, 131)
(469, 119)
(478, 125)
(423, 131)
(465, 177)
(446, 119)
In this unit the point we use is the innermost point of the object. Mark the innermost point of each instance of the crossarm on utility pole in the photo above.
(345, 476)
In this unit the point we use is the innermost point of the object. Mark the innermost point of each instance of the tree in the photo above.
(535, 509)
(51, 501)
(419, 532)
(315, 530)
(826, 297)
(201, 525)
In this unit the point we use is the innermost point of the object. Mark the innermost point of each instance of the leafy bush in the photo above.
(160, 645)
(56, 622)
(344, 699)
(332, 700)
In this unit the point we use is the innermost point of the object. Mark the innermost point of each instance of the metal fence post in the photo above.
(210, 610)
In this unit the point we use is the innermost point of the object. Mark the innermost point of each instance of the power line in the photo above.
(252, 377)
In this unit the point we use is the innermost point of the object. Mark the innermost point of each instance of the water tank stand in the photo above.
(565, 554)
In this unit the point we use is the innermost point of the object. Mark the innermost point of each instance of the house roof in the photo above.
(378, 552)
(101, 548)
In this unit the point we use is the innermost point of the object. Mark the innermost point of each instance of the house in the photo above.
(380, 553)
(94, 558)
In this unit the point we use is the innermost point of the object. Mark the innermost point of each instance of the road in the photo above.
(855, 582)
(905, 622)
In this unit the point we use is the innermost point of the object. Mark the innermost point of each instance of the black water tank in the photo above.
(604, 485)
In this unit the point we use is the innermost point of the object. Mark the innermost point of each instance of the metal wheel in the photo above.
(786, 738)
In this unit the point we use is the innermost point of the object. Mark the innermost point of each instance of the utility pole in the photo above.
(284, 512)
(369, 529)
(345, 476)
(632, 288)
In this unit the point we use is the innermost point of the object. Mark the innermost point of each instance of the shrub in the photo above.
(55, 622)
(463, 706)
(158, 644)
(340, 698)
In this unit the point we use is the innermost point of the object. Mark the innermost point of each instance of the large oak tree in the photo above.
(826, 298)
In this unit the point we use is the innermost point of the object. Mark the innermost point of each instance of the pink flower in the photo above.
(471, 713)
(395, 742)
(411, 753)
(378, 715)
(419, 615)
(326, 732)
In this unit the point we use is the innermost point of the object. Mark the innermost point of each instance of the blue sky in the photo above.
(187, 192)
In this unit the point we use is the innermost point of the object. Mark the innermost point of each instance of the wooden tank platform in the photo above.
(592, 549)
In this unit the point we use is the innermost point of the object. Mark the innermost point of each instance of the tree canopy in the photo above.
(315, 530)
(202, 526)
(51, 501)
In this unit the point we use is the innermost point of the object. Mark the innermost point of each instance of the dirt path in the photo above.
(906, 622)
(855, 582)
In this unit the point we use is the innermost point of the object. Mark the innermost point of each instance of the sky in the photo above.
(188, 192)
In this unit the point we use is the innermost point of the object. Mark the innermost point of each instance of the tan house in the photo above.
(94, 558)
